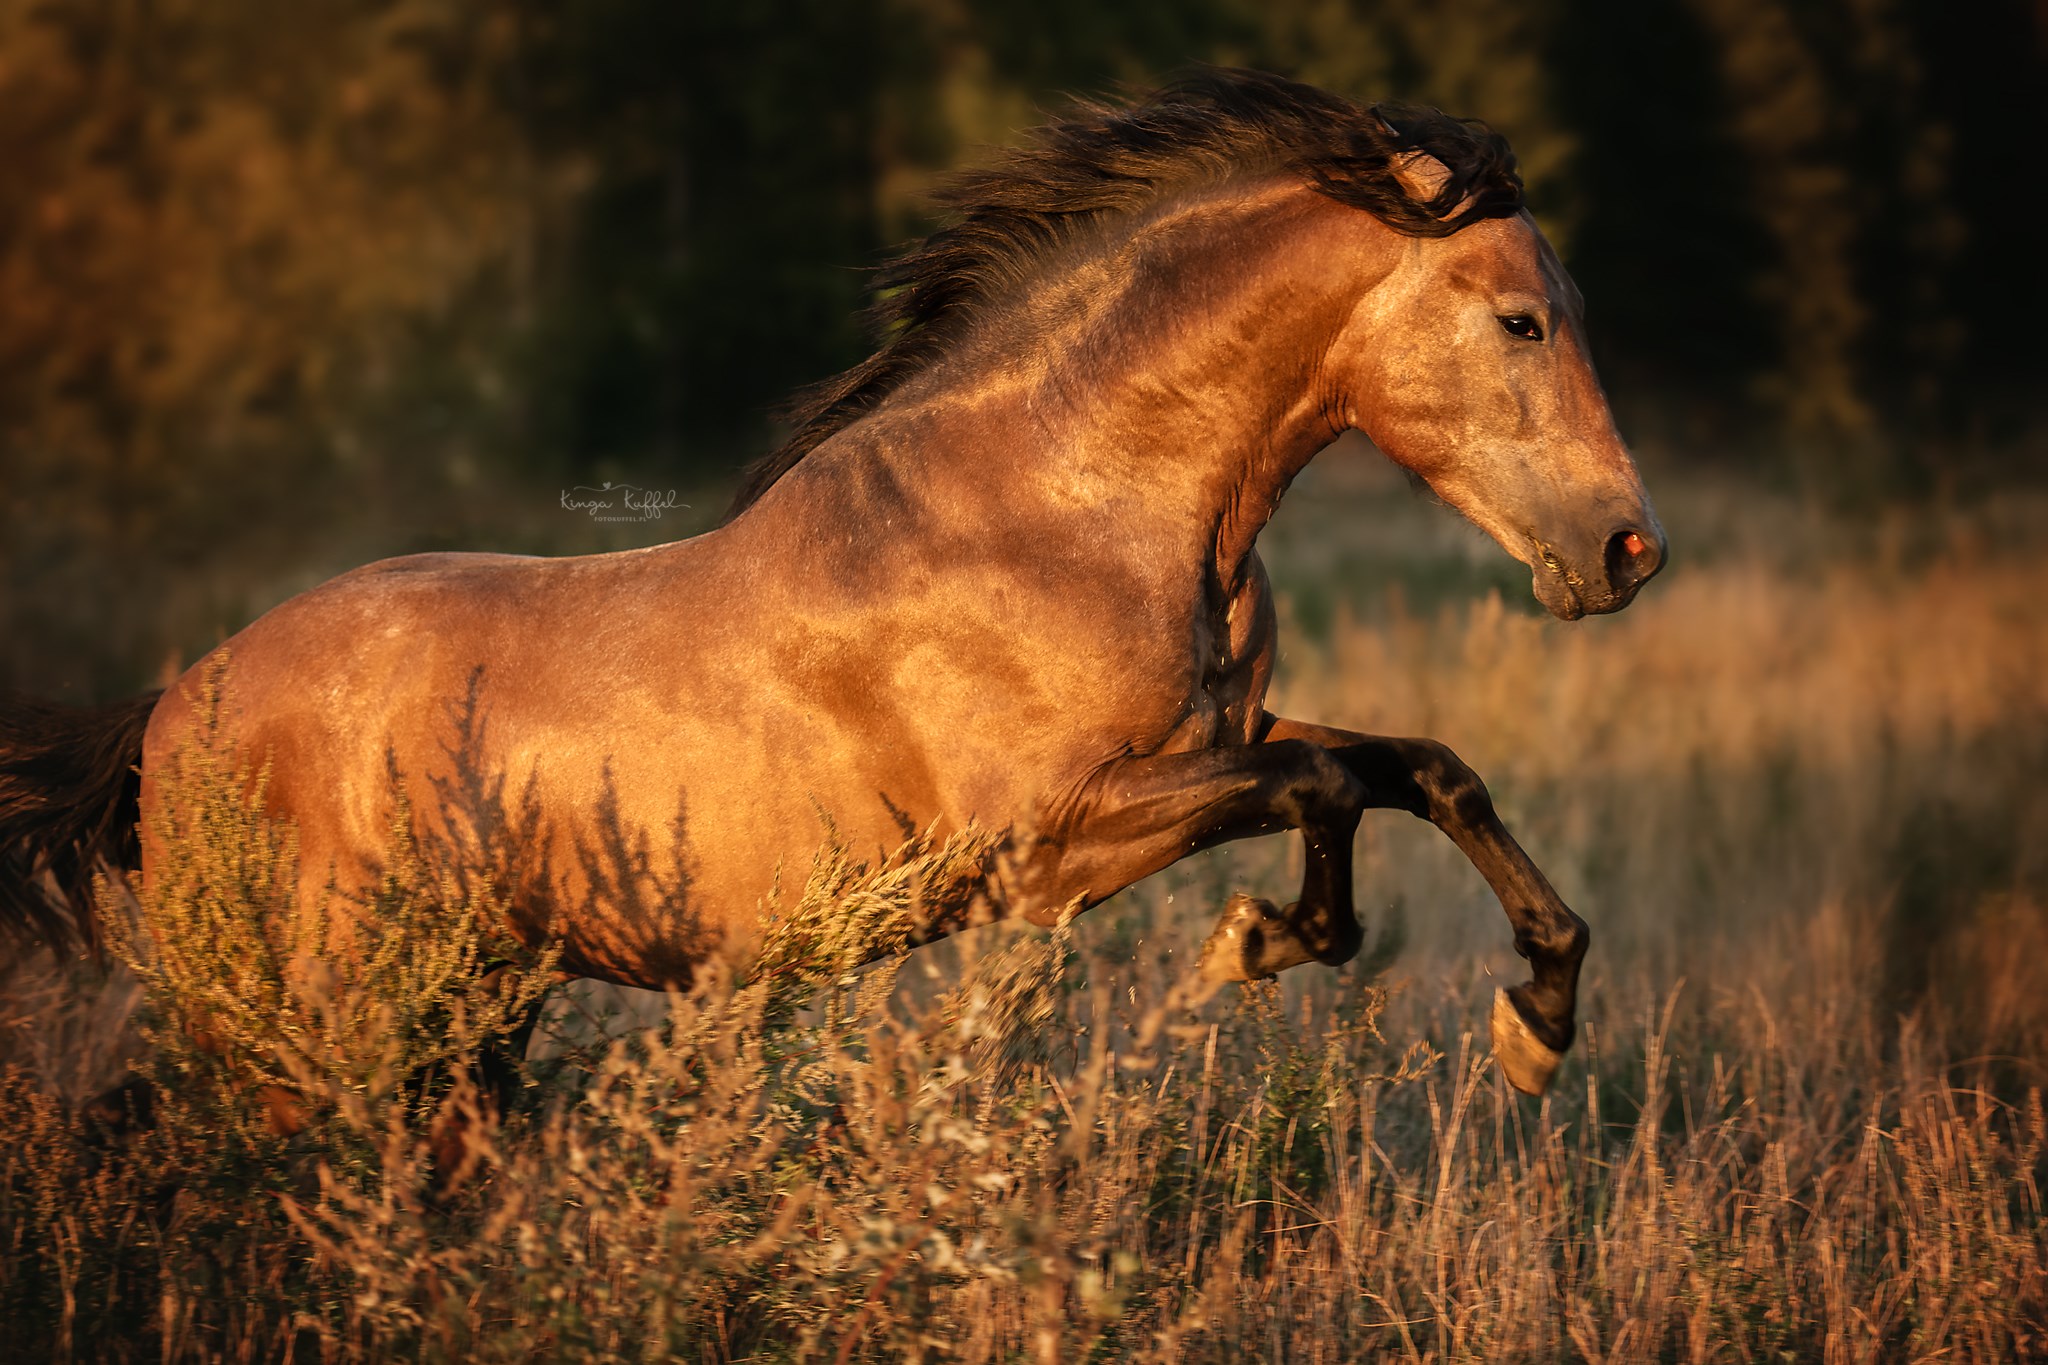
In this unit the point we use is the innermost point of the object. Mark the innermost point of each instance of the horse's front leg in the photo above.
(1138, 815)
(1532, 1023)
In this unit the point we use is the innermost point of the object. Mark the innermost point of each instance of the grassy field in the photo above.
(1796, 790)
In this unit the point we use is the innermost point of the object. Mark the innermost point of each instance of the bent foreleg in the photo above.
(1533, 1024)
(1139, 815)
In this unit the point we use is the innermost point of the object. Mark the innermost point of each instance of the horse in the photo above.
(1003, 575)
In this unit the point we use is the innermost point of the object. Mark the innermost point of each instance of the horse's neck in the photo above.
(1174, 381)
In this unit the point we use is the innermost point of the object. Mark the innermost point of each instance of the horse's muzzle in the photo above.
(1629, 557)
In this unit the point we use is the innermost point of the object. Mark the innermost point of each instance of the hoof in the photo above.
(1525, 1059)
(1235, 949)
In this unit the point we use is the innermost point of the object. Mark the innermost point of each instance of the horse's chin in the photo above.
(1568, 600)
(1556, 593)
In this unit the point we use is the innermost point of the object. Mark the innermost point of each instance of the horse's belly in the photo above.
(645, 868)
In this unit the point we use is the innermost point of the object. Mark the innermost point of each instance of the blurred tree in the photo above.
(232, 252)
(714, 257)
(1475, 58)
(281, 289)
(1664, 244)
(1978, 77)
(1783, 112)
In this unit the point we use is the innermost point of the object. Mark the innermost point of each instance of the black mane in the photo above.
(1106, 159)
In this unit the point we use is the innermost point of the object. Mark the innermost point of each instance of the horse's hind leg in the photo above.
(1140, 815)
(1532, 1023)
(495, 1075)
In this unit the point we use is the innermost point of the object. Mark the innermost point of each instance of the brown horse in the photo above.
(1005, 573)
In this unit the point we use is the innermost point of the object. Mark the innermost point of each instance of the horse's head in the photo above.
(1467, 365)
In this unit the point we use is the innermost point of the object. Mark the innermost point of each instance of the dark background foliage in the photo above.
(285, 289)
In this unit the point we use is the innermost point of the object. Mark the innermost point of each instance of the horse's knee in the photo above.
(1453, 790)
(1559, 938)
(1325, 793)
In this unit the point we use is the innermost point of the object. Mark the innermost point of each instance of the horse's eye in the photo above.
(1523, 326)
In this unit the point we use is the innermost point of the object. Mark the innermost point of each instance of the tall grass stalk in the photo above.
(1804, 1121)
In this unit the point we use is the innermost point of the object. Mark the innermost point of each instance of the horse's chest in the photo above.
(1199, 725)
(1222, 684)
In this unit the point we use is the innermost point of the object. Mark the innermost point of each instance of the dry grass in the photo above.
(1796, 792)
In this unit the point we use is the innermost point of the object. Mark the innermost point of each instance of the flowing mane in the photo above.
(1104, 160)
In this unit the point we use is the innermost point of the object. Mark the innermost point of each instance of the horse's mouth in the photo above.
(1555, 586)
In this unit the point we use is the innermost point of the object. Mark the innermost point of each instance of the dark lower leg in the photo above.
(1427, 780)
(1141, 815)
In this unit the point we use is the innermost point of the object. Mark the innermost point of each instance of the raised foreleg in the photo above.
(1532, 1023)
(1138, 815)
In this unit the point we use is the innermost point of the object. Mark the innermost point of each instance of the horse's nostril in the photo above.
(1631, 558)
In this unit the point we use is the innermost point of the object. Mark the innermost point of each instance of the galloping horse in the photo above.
(1005, 572)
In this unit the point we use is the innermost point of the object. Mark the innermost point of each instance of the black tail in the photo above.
(69, 784)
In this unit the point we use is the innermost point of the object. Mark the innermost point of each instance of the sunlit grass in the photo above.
(1796, 791)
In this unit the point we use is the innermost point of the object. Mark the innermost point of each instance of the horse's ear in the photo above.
(1421, 175)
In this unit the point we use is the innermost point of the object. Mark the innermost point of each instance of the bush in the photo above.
(1819, 798)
